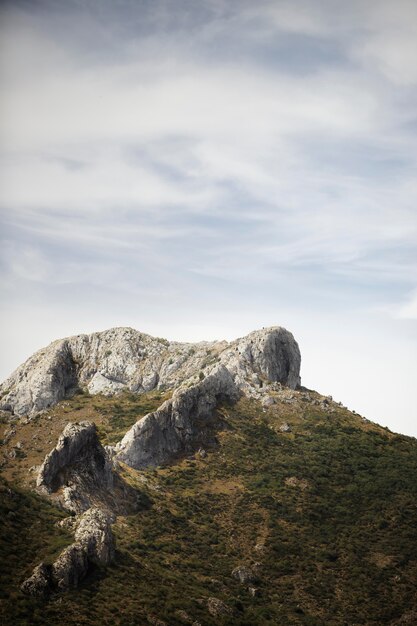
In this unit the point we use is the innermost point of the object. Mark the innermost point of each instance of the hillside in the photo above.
(324, 515)
(289, 510)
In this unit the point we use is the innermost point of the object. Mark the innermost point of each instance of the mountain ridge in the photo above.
(229, 499)
(123, 358)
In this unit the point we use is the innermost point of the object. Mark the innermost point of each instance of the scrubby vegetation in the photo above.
(28, 534)
(112, 415)
(323, 514)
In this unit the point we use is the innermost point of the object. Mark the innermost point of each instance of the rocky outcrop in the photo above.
(94, 544)
(39, 583)
(79, 465)
(244, 574)
(267, 355)
(105, 362)
(69, 569)
(82, 474)
(42, 381)
(94, 534)
(123, 358)
(78, 473)
(180, 424)
(218, 608)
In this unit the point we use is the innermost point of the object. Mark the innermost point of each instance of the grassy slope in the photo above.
(326, 514)
(113, 417)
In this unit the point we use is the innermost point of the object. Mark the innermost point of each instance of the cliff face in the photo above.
(123, 358)
(267, 355)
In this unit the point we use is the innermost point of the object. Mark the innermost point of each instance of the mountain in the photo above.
(123, 358)
(153, 482)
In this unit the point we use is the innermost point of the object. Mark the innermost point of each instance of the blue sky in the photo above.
(200, 169)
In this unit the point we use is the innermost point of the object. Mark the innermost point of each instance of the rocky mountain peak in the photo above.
(220, 484)
(126, 359)
(79, 472)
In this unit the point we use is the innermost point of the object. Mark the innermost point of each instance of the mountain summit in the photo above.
(146, 482)
(125, 359)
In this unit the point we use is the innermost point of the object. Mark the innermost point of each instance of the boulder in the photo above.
(254, 592)
(267, 401)
(38, 584)
(244, 574)
(218, 608)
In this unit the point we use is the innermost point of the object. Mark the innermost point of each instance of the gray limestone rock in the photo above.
(218, 608)
(70, 567)
(101, 384)
(81, 472)
(267, 401)
(254, 592)
(94, 544)
(80, 465)
(272, 353)
(42, 381)
(95, 535)
(179, 424)
(123, 358)
(39, 583)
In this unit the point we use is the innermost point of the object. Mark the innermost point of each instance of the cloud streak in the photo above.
(215, 150)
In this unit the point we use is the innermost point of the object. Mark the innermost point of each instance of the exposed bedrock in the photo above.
(123, 358)
(94, 533)
(93, 545)
(42, 381)
(79, 467)
(83, 475)
(180, 424)
(271, 353)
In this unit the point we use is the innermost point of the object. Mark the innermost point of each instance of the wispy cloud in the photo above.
(208, 151)
(408, 310)
(160, 130)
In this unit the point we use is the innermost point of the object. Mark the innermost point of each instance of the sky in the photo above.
(200, 169)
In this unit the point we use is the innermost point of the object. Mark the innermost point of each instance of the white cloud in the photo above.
(408, 310)
(390, 42)
(106, 180)
(203, 172)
